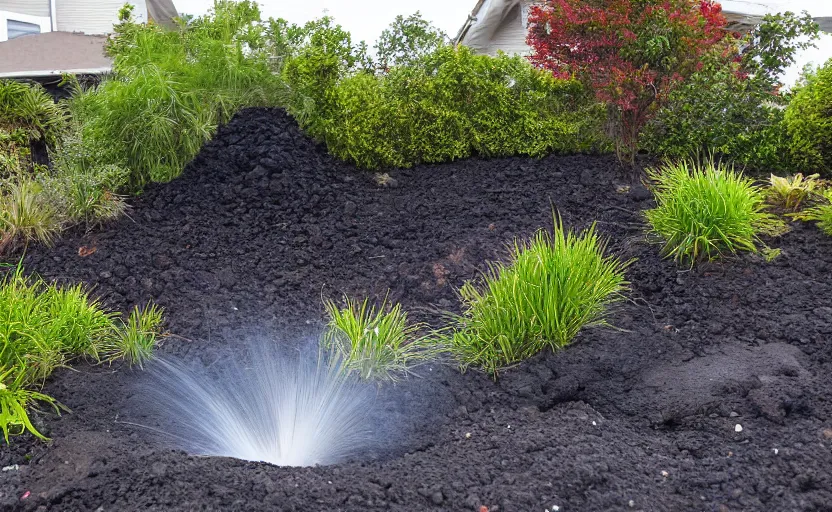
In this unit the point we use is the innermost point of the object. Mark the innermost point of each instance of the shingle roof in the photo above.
(53, 53)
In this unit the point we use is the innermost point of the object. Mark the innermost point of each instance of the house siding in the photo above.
(28, 7)
(93, 16)
(510, 35)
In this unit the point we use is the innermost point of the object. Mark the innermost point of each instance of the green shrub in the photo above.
(706, 210)
(442, 105)
(553, 286)
(732, 106)
(376, 342)
(809, 121)
(171, 89)
(46, 326)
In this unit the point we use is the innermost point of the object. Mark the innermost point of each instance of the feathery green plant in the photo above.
(376, 342)
(704, 210)
(553, 286)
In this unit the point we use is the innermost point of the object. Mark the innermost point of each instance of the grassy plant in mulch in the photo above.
(553, 286)
(821, 213)
(790, 192)
(375, 341)
(706, 210)
(44, 326)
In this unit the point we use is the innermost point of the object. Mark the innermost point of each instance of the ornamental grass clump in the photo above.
(44, 326)
(553, 286)
(820, 213)
(377, 342)
(704, 211)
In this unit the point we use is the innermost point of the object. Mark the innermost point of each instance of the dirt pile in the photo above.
(645, 417)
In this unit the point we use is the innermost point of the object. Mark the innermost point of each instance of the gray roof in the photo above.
(53, 53)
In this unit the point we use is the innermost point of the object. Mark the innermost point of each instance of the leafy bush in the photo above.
(820, 213)
(731, 106)
(46, 326)
(446, 105)
(790, 192)
(376, 342)
(809, 121)
(170, 90)
(705, 210)
(553, 286)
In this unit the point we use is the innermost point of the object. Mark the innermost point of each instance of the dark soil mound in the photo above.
(646, 417)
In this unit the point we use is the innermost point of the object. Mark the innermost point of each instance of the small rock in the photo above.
(437, 498)
(631, 503)
(734, 414)
(827, 433)
(738, 428)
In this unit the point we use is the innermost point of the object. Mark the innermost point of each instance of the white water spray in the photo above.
(280, 410)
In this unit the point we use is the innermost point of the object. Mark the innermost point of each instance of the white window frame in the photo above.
(44, 22)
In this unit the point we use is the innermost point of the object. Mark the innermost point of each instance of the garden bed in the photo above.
(263, 223)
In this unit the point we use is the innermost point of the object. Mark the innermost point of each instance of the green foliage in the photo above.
(809, 121)
(706, 210)
(731, 105)
(451, 104)
(553, 286)
(170, 90)
(322, 53)
(46, 326)
(820, 213)
(376, 342)
(31, 109)
(14, 420)
(406, 41)
(25, 216)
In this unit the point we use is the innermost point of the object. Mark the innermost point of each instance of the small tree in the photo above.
(407, 40)
(632, 53)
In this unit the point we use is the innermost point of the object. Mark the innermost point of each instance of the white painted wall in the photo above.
(44, 22)
(510, 35)
(28, 7)
(93, 16)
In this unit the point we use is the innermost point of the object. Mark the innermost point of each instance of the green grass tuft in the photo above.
(376, 342)
(139, 336)
(44, 326)
(26, 216)
(553, 286)
(704, 211)
(820, 213)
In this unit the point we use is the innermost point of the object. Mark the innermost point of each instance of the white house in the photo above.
(45, 38)
(503, 24)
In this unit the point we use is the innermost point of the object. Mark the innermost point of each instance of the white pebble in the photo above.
(776, 451)
(467, 435)
(555, 508)
(13, 467)
(631, 503)
(738, 428)
(665, 474)
(594, 423)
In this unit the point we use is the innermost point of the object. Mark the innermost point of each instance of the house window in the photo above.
(21, 28)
